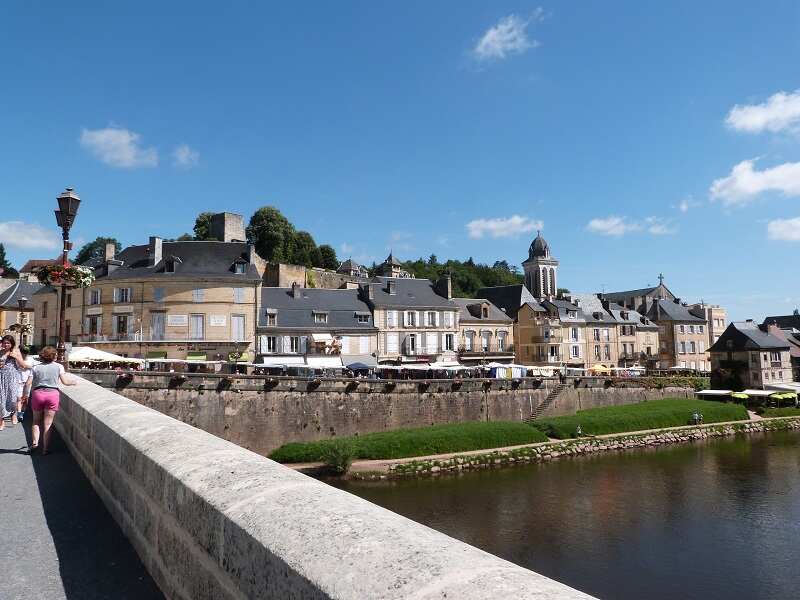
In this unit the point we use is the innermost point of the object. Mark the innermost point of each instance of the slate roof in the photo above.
(747, 335)
(667, 310)
(784, 321)
(510, 298)
(590, 305)
(35, 263)
(562, 306)
(465, 316)
(411, 293)
(197, 259)
(348, 266)
(341, 306)
(9, 298)
(634, 318)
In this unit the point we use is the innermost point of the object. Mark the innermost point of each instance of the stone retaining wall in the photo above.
(553, 450)
(211, 520)
(262, 414)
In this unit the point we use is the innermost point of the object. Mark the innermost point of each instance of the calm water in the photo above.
(711, 520)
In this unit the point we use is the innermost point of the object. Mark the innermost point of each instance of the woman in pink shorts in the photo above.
(45, 396)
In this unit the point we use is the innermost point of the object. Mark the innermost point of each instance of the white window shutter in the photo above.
(436, 319)
(406, 318)
(116, 295)
(287, 344)
(113, 326)
(303, 340)
(130, 294)
(364, 345)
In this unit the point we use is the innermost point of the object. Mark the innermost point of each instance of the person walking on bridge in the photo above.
(11, 363)
(45, 397)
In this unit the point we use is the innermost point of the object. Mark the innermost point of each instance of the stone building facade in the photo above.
(748, 355)
(485, 333)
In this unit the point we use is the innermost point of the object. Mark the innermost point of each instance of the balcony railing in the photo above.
(552, 338)
(135, 337)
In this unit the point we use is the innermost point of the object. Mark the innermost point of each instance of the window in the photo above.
(122, 295)
(607, 352)
(683, 347)
(693, 365)
(576, 351)
(158, 294)
(197, 295)
(237, 327)
(449, 320)
(363, 318)
(196, 327)
(238, 295)
(432, 342)
(780, 374)
(430, 319)
(681, 328)
(468, 338)
(449, 341)
(94, 324)
(169, 267)
(69, 301)
(270, 344)
(597, 352)
(44, 311)
(683, 364)
(411, 343)
(663, 346)
(410, 318)
(606, 335)
(272, 319)
(294, 344)
(485, 336)
(596, 335)
(574, 333)
(121, 323)
(485, 312)
(775, 356)
(702, 347)
(700, 328)
(754, 358)
(94, 297)
(691, 328)
(692, 348)
(157, 325)
(239, 268)
(391, 318)
(501, 341)
(572, 314)
(320, 317)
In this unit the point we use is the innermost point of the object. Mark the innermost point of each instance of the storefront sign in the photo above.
(177, 320)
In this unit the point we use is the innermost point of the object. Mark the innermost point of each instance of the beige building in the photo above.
(748, 355)
(417, 320)
(17, 309)
(195, 299)
(485, 333)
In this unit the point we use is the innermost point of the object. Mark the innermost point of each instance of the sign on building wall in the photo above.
(216, 320)
(177, 320)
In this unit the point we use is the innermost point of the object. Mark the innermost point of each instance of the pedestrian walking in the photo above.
(11, 363)
(45, 397)
(24, 381)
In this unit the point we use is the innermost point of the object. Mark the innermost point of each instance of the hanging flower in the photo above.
(71, 275)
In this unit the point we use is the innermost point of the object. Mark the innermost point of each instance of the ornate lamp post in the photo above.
(23, 302)
(68, 203)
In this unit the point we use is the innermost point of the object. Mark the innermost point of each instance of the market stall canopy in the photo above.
(89, 354)
(283, 361)
(600, 368)
(761, 393)
(444, 364)
(364, 359)
(714, 392)
(321, 337)
(324, 362)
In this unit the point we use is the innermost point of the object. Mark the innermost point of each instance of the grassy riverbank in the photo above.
(781, 412)
(419, 441)
(655, 414)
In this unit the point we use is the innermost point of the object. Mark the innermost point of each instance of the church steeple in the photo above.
(541, 270)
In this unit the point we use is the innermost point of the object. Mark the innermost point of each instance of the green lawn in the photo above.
(420, 441)
(653, 414)
(789, 411)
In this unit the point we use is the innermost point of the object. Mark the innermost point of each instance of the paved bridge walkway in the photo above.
(57, 541)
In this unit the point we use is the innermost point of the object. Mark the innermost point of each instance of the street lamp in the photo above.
(23, 302)
(68, 203)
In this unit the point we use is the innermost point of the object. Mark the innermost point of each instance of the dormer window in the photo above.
(272, 317)
(169, 267)
(320, 317)
(572, 314)
(485, 312)
(239, 268)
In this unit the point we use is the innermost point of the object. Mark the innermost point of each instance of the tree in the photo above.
(185, 237)
(96, 249)
(561, 292)
(305, 250)
(272, 234)
(433, 260)
(6, 270)
(202, 227)
(329, 260)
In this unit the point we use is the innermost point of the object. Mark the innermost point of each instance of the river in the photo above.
(715, 519)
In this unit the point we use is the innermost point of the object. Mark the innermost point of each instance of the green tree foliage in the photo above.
(185, 237)
(6, 270)
(272, 235)
(202, 227)
(562, 292)
(329, 260)
(305, 250)
(468, 276)
(96, 249)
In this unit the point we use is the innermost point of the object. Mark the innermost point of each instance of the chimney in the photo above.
(577, 302)
(227, 227)
(391, 287)
(111, 251)
(367, 291)
(154, 251)
(677, 301)
(444, 286)
(295, 290)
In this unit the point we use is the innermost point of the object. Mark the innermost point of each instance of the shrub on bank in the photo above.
(788, 411)
(659, 383)
(654, 414)
(419, 441)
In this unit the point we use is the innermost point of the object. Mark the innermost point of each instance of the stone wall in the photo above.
(261, 414)
(211, 520)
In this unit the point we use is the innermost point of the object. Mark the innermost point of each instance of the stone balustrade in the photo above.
(212, 520)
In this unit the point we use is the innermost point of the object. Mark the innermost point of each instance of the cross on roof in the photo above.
(660, 279)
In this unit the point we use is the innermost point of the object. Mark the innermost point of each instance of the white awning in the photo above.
(324, 362)
(444, 364)
(283, 361)
(322, 337)
(714, 392)
(759, 392)
(89, 354)
(367, 359)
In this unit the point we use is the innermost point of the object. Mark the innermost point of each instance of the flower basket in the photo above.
(71, 275)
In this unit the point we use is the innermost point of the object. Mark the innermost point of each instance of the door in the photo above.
(196, 323)
(157, 323)
(237, 327)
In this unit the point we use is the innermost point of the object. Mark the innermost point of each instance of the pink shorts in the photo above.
(45, 399)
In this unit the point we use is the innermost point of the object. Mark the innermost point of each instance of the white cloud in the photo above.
(744, 183)
(346, 248)
(185, 156)
(508, 37)
(786, 230)
(613, 226)
(684, 206)
(502, 227)
(780, 112)
(659, 226)
(401, 235)
(29, 236)
(118, 147)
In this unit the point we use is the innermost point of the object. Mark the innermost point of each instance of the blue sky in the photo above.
(641, 137)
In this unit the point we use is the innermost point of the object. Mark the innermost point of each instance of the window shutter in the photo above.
(436, 318)
(287, 344)
(116, 295)
(364, 345)
(407, 318)
(130, 294)
(86, 325)
(113, 326)
(262, 343)
(303, 340)
(419, 320)
(345, 345)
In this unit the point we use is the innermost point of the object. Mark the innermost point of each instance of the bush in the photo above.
(788, 411)
(419, 441)
(338, 455)
(654, 414)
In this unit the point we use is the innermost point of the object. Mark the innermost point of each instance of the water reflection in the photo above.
(719, 519)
